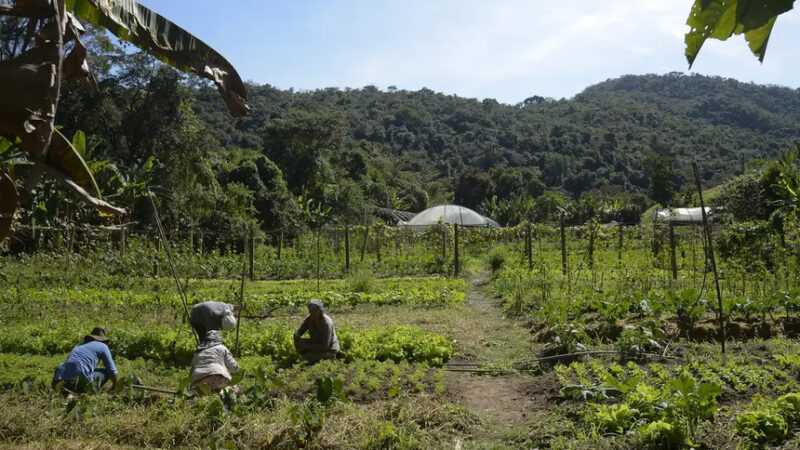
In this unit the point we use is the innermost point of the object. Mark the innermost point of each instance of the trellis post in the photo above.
(456, 268)
(563, 246)
(347, 249)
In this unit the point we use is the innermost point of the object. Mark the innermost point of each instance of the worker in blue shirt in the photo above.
(84, 359)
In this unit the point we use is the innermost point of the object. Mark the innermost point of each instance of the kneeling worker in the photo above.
(83, 361)
(322, 342)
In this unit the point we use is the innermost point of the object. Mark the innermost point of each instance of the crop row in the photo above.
(399, 343)
(426, 292)
(362, 380)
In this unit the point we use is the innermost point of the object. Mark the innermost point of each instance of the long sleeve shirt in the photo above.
(83, 359)
(321, 334)
(216, 360)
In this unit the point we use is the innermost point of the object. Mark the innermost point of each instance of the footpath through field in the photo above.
(506, 403)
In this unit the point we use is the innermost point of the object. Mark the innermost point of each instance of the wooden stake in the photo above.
(241, 308)
(280, 245)
(529, 247)
(720, 313)
(673, 260)
(563, 247)
(364, 243)
(252, 252)
(456, 269)
(347, 249)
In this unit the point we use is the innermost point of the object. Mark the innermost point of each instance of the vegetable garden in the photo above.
(613, 348)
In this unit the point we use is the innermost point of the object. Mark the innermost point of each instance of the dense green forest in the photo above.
(297, 154)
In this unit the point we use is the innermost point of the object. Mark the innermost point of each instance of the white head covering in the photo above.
(228, 322)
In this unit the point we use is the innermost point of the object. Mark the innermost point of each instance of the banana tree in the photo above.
(51, 52)
(721, 19)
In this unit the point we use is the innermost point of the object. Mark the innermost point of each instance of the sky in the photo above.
(507, 50)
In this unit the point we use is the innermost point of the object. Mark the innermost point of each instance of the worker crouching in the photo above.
(83, 362)
(322, 342)
(213, 364)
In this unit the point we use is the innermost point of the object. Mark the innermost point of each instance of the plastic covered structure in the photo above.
(450, 214)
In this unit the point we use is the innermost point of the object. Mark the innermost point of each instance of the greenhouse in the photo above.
(450, 214)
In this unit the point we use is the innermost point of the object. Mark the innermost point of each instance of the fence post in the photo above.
(592, 234)
(563, 247)
(378, 244)
(122, 239)
(455, 253)
(155, 261)
(280, 244)
(319, 250)
(444, 242)
(347, 249)
(619, 247)
(364, 243)
(529, 247)
(252, 248)
(672, 258)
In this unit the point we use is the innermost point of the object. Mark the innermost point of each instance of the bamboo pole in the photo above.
(172, 265)
(720, 313)
(241, 308)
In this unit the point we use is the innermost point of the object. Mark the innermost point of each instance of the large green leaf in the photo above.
(166, 41)
(720, 19)
(63, 157)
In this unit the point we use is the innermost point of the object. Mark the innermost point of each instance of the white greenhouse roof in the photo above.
(450, 214)
(681, 215)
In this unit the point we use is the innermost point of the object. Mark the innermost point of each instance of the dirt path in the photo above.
(502, 401)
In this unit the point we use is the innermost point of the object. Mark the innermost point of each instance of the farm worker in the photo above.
(213, 363)
(322, 342)
(83, 360)
(207, 316)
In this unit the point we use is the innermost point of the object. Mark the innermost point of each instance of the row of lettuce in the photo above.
(394, 343)
(428, 292)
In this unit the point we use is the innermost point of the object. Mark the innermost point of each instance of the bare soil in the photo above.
(504, 401)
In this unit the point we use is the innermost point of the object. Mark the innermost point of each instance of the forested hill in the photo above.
(597, 140)
(631, 139)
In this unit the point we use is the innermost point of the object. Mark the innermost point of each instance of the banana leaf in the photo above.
(168, 42)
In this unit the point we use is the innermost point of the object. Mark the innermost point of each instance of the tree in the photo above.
(662, 179)
(298, 144)
(51, 51)
(721, 19)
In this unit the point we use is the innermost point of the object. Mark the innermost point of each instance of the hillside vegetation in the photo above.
(298, 153)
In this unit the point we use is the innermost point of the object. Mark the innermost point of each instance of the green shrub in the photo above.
(361, 280)
(497, 258)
